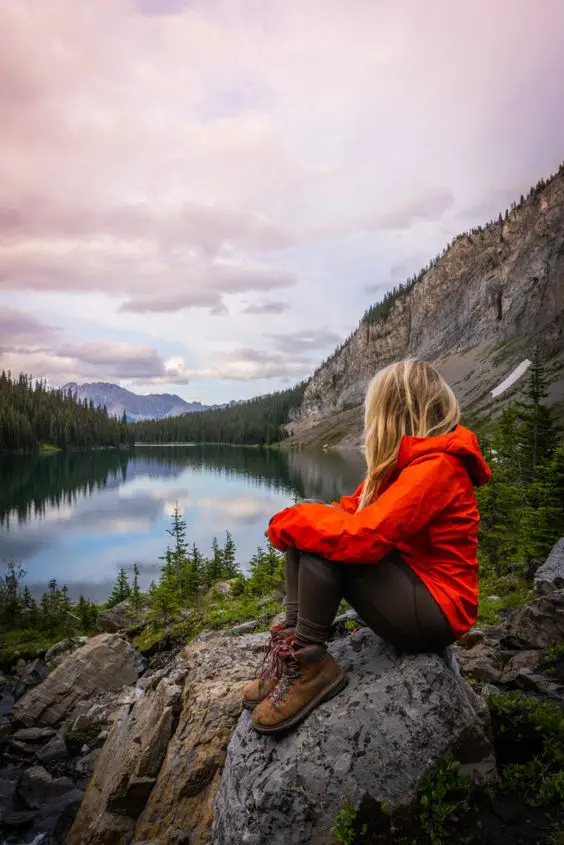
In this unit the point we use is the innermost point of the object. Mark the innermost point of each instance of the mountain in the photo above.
(137, 407)
(477, 312)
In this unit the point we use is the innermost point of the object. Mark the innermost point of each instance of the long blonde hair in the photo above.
(409, 397)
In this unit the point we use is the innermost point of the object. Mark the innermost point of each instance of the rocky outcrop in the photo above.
(550, 576)
(105, 663)
(159, 771)
(398, 716)
(157, 777)
(538, 624)
(513, 653)
(475, 313)
(33, 674)
(60, 651)
(120, 617)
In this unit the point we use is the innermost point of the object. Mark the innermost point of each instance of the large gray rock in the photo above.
(105, 663)
(550, 576)
(61, 650)
(33, 674)
(398, 716)
(120, 617)
(538, 624)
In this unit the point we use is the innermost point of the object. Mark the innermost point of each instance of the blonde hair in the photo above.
(409, 397)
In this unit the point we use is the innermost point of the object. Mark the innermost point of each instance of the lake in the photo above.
(80, 516)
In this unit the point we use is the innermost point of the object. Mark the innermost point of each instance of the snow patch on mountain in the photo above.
(519, 371)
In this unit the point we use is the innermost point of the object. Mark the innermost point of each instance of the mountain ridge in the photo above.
(477, 312)
(135, 405)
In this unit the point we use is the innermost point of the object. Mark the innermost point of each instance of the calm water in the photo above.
(79, 517)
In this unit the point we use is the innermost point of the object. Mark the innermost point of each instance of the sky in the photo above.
(204, 196)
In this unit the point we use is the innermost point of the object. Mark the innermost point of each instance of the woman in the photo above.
(401, 550)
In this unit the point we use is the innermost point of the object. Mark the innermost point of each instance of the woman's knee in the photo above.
(320, 568)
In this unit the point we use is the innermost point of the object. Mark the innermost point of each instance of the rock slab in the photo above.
(157, 775)
(538, 624)
(105, 663)
(550, 576)
(399, 715)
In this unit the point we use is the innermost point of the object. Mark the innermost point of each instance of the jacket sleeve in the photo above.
(350, 503)
(424, 489)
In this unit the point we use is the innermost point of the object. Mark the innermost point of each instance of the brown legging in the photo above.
(388, 595)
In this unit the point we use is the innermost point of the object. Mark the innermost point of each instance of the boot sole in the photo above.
(325, 695)
(250, 705)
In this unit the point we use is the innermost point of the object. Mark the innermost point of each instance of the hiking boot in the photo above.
(310, 676)
(270, 669)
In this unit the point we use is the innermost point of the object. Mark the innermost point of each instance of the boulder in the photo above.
(246, 627)
(37, 788)
(106, 662)
(158, 772)
(61, 650)
(538, 624)
(54, 751)
(480, 662)
(49, 803)
(120, 617)
(34, 734)
(222, 588)
(550, 576)
(33, 674)
(399, 716)
(523, 661)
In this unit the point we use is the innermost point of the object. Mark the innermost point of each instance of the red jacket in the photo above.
(426, 510)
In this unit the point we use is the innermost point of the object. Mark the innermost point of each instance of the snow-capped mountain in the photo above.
(137, 407)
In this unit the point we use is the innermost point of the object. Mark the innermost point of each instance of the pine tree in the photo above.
(10, 599)
(121, 590)
(538, 430)
(214, 568)
(164, 600)
(135, 590)
(229, 564)
(543, 522)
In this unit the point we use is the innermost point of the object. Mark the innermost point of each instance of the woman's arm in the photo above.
(349, 504)
(421, 492)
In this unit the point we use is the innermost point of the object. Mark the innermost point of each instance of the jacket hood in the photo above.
(461, 442)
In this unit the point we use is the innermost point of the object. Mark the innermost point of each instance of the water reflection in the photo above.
(79, 517)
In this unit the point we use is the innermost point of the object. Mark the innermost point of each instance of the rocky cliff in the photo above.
(476, 313)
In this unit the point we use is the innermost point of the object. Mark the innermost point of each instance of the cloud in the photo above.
(45, 351)
(246, 148)
(207, 286)
(305, 341)
(266, 308)
(428, 206)
(21, 330)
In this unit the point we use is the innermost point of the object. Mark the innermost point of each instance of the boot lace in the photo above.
(271, 664)
(289, 669)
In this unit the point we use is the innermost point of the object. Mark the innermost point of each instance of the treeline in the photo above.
(186, 577)
(522, 508)
(54, 617)
(257, 421)
(32, 415)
